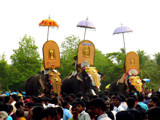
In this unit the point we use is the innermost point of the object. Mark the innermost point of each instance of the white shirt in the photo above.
(124, 105)
(103, 117)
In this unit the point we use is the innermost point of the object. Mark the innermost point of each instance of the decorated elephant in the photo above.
(126, 84)
(81, 82)
(43, 83)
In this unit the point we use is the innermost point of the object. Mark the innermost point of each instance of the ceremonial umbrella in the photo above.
(122, 29)
(49, 23)
(86, 24)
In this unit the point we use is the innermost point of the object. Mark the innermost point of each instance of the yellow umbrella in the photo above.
(49, 23)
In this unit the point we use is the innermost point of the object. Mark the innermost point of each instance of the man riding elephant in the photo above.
(50, 81)
(130, 79)
(83, 67)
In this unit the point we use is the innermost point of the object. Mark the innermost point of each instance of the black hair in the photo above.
(30, 104)
(59, 110)
(64, 104)
(98, 102)
(81, 103)
(155, 99)
(140, 97)
(153, 113)
(20, 112)
(124, 115)
(137, 114)
(131, 102)
(14, 97)
(38, 113)
(18, 104)
(50, 111)
(123, 97)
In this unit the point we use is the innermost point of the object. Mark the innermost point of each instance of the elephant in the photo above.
(80, 83)
(37, 84)
(42, 83)
(126, 84)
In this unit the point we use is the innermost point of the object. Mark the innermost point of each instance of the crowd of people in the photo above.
(105, 106)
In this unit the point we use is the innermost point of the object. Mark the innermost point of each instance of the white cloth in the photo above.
(103, 117)
(14, 108)
(120, 108)
(124, 105)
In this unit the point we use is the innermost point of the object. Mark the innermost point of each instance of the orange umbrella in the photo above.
(49, 23)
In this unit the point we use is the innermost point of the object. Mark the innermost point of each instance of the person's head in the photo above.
(37, 113)
(35, 100)
(116, 101)
(124, 115)
(137, 114)
(72, 97)
(107, 105)
(74, 111)
(54, 101)
(50, 113)
(123, 97)
(153, 101)
(75, 57)
(140, 97)
(154, 113)
(59, 112)
(13, 98)
(19, 105)
(20, 112)
(28, 106)
(65, 104)
(131, 102)
(10, 108)
(80, 106)
(97, 106)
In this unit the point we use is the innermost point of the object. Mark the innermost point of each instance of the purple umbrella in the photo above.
(122, 29)
(86, 24)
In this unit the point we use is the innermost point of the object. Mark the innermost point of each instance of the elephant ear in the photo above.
(41, 82)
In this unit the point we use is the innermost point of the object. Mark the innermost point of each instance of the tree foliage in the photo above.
(69, 50)
(26, 62)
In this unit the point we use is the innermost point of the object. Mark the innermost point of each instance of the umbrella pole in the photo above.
(124, 44)
(124, 65)
(85, 33)
(48, 33)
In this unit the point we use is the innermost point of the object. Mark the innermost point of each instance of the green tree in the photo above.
(69, 50)
(4, 81)
(26, 59)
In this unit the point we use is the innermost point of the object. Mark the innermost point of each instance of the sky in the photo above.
(20, 17)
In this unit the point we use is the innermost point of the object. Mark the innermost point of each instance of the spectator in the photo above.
(154, 113)
(140, 99)
(117, 102)
(20, 114)
(131, 102)
(66, 113)
(37, 113)
(83, 115)
(75, 113)
(13, 99)
(97, 108)
(59, 112)
(124, 115)
(153, 101)
(50, 113)
(123, 101)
